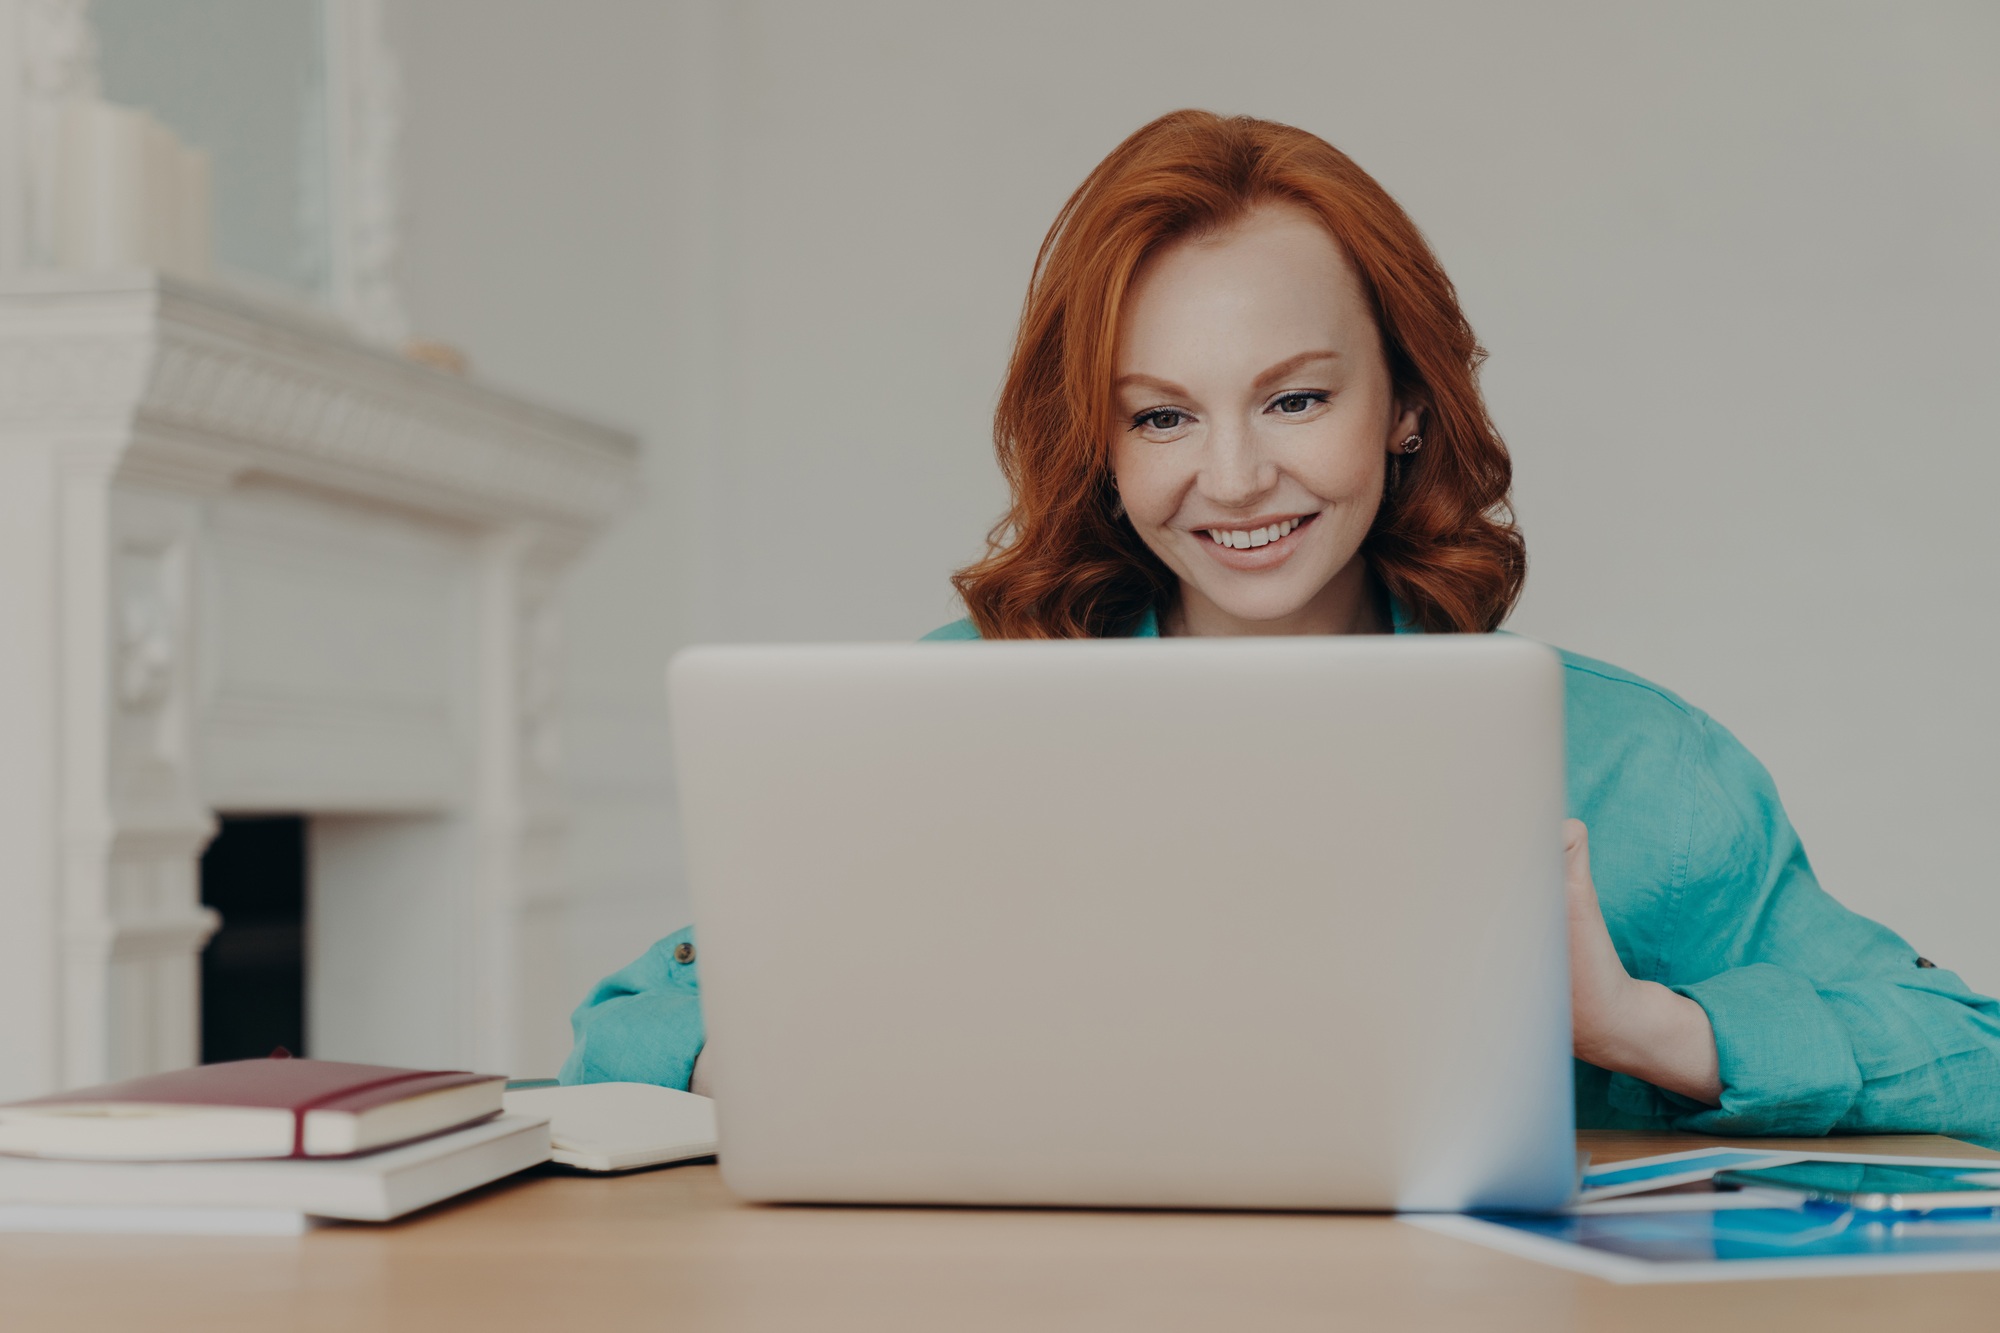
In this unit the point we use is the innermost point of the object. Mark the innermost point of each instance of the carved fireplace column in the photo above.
(249, 563)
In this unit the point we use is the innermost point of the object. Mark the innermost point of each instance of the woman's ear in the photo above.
(1409, 421)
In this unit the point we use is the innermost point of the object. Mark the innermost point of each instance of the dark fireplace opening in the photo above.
(253, 972)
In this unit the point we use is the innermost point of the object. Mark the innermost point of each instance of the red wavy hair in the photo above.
(1063, 562)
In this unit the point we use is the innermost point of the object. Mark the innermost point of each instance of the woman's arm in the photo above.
(1620, 1023)
(642, 1024)
(1823, 1020)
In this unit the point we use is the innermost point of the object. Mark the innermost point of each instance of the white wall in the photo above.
(1736, 265)
(557, 231)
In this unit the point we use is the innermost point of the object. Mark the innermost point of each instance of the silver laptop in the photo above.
(1272, 923)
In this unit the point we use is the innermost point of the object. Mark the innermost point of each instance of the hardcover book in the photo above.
(279, 1107)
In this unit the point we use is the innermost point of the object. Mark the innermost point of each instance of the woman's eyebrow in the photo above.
(1286, 367)
(1167, 387)
(1294, 363)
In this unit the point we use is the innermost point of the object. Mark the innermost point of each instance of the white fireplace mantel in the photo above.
(251, 563)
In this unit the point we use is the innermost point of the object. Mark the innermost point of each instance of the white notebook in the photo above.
(620, 1126)
(265, 1197)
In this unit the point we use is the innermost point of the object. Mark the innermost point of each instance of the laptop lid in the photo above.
(1272, 923)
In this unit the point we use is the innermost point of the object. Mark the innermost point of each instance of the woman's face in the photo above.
(1255, 420)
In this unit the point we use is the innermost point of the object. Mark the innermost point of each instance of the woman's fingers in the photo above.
(1583, 909)
(1597, 979)
(1576, 858)
(698, 1077)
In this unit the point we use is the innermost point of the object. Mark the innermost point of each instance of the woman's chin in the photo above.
(1260, 610)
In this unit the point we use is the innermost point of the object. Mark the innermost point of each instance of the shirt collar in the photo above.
(1400, 621)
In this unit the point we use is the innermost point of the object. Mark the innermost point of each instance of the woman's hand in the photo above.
(1628, 1026)
(698, 1076)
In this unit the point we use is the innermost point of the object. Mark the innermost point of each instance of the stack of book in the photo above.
(257, 1147)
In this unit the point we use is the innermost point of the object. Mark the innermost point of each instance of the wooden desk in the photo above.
(672, 1250)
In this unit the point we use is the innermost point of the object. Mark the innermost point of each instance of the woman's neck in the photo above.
(1352, 602)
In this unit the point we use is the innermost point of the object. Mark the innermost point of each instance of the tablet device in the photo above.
(1875, 1189)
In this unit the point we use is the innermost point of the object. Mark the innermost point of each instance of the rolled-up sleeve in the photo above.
(641, 1024)
(1824, 1020)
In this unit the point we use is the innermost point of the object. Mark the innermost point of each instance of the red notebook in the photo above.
(250, 1108)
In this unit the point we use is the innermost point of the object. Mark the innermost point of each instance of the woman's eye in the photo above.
(1164, 419)
(1294, 403)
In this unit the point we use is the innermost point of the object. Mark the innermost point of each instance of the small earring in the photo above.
(1412, 444)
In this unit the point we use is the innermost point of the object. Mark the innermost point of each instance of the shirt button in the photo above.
(683, 952)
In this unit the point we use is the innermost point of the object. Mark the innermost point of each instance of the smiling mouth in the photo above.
(1242, 539)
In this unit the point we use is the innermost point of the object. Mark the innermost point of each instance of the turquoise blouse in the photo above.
(1824, 1021)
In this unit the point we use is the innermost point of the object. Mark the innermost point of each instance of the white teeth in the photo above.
(1241, 539)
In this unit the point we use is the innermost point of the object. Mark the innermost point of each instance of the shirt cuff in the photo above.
(1786, 1061)
(637, 1039)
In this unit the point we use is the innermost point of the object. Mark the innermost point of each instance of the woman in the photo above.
(1243, 401)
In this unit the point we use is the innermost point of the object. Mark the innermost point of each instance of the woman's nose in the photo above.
(1236, 471)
